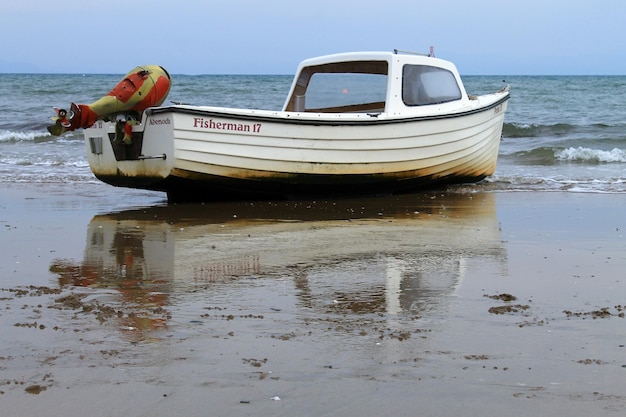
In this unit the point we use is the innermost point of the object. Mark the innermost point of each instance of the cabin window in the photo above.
(423, 85)
(346, 92)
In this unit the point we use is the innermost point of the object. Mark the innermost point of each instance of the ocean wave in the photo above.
(550, 155)
(538, 156)
(517, 183)
(48, 178)
(37, 136)
(581, 154)
(45, 160)
(522, 130)
(19, 136)
(532, 130)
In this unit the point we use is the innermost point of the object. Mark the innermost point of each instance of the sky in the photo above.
(482, 37)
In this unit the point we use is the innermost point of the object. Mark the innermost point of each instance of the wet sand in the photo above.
(113, 303)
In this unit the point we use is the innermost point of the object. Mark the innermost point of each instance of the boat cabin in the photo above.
(373, 82)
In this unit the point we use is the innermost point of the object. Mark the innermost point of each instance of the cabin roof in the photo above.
(402, 57)
(393, 58)
(348, 56)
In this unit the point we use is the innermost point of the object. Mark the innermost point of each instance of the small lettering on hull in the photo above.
(159, 122)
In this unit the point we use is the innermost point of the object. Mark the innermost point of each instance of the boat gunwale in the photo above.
(278, 115)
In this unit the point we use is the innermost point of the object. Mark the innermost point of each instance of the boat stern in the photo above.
(128, 153)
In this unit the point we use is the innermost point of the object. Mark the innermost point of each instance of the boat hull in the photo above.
(203, 153)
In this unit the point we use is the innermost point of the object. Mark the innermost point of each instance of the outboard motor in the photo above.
(141, 88)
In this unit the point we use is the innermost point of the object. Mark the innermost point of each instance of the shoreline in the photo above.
(114, 303)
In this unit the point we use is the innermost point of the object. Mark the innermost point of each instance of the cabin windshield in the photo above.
(423, 85)
(349, 87)
(345, 91)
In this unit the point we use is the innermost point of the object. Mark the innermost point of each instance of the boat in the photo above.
(355, 123)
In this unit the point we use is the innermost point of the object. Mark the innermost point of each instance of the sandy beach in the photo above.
(440, 304)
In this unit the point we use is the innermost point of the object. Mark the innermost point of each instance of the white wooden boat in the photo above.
(358, 123)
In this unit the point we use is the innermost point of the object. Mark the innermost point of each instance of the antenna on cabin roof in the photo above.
(400, 51)
(432, 51)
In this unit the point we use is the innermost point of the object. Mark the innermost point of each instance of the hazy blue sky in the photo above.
(490, 37)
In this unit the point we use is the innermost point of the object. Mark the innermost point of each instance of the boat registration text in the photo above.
(199, 122)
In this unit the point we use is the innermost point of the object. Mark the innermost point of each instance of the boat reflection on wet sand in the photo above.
(383, 256)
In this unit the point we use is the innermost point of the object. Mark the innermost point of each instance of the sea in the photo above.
(561, 133)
